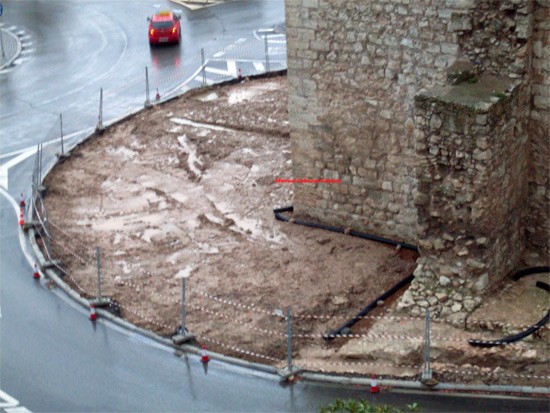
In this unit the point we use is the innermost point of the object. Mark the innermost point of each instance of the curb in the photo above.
(17, 52)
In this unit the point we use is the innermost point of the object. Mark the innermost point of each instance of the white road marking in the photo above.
(276, 50)
(27, 37)
(4, 168)
(5, 71)
(17, 62)
(12, 28)
(241, 40)
(7, 401)
(218, 54)
(19, 409)
(232, 68)
(21, 32)
(27, 51)
(26, 44)
(259, 66)
(217, 71)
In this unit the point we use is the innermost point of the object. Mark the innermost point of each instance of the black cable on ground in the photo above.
(544, 286)
(530, 330)
(513, 338)
(529, 271)
(368, 308)
(279, 215)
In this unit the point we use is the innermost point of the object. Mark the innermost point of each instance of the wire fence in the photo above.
(270, 335)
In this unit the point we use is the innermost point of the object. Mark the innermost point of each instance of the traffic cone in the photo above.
(21, 217)
(157, 96)
(22, 202)
(93, 314)
(36, 274)
(204, 355)
(374, 385)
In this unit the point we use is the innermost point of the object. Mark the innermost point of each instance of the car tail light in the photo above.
(151, 32)
(174, 30)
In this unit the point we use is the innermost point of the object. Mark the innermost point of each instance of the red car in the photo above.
(164, 27)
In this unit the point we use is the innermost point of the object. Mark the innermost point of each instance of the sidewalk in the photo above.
(10, 48)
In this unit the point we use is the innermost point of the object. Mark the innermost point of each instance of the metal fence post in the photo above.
(266, 54)
(183, 328)
(2, 43)
(147, 99)
(427, 372)
(97, 253)
(99, 126)
(289, 339)
(61, 127)
(203, 68)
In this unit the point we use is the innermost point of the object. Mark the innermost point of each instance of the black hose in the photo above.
(530, 330)
(544, 286)
(279, 215)
(368, 308)
(511, 339)
(529, 271)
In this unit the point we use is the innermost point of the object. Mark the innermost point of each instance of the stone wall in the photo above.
(472, 184)
(355, 68)
(538, 219)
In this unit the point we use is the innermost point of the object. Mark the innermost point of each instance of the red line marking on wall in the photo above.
(307, 181)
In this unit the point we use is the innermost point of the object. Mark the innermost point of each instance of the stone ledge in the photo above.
(479, 95)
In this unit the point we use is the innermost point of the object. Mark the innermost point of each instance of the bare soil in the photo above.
(188, 188)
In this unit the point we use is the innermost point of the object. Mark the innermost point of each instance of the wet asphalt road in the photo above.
(51, 357)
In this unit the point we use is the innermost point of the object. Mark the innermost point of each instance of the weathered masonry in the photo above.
(435, 115)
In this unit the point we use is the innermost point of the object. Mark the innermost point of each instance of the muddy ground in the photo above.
(188, 188)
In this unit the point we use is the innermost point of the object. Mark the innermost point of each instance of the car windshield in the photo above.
(162, 25)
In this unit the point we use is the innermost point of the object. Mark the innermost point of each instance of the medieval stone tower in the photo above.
(435, 115)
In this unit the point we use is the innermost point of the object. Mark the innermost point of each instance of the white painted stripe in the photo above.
(218, 54)
(8, 401)
(259, 66)
(241, 40)
(216, 71)
(21, 32)
(12, 28)
(232, 68)
(276, 50)
(17, 62)
(266, 30)
(5, 71)
(26, 44)
(27, 37)
(27, 51)
(4, 170)
(19, 409)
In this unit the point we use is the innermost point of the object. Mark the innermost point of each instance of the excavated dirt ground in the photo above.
(188, 188)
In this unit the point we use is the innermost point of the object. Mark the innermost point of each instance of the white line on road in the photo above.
(216, 71)
(258, 66)
(241, 40)
(7, 401)
(232, 68)
(218, 54)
